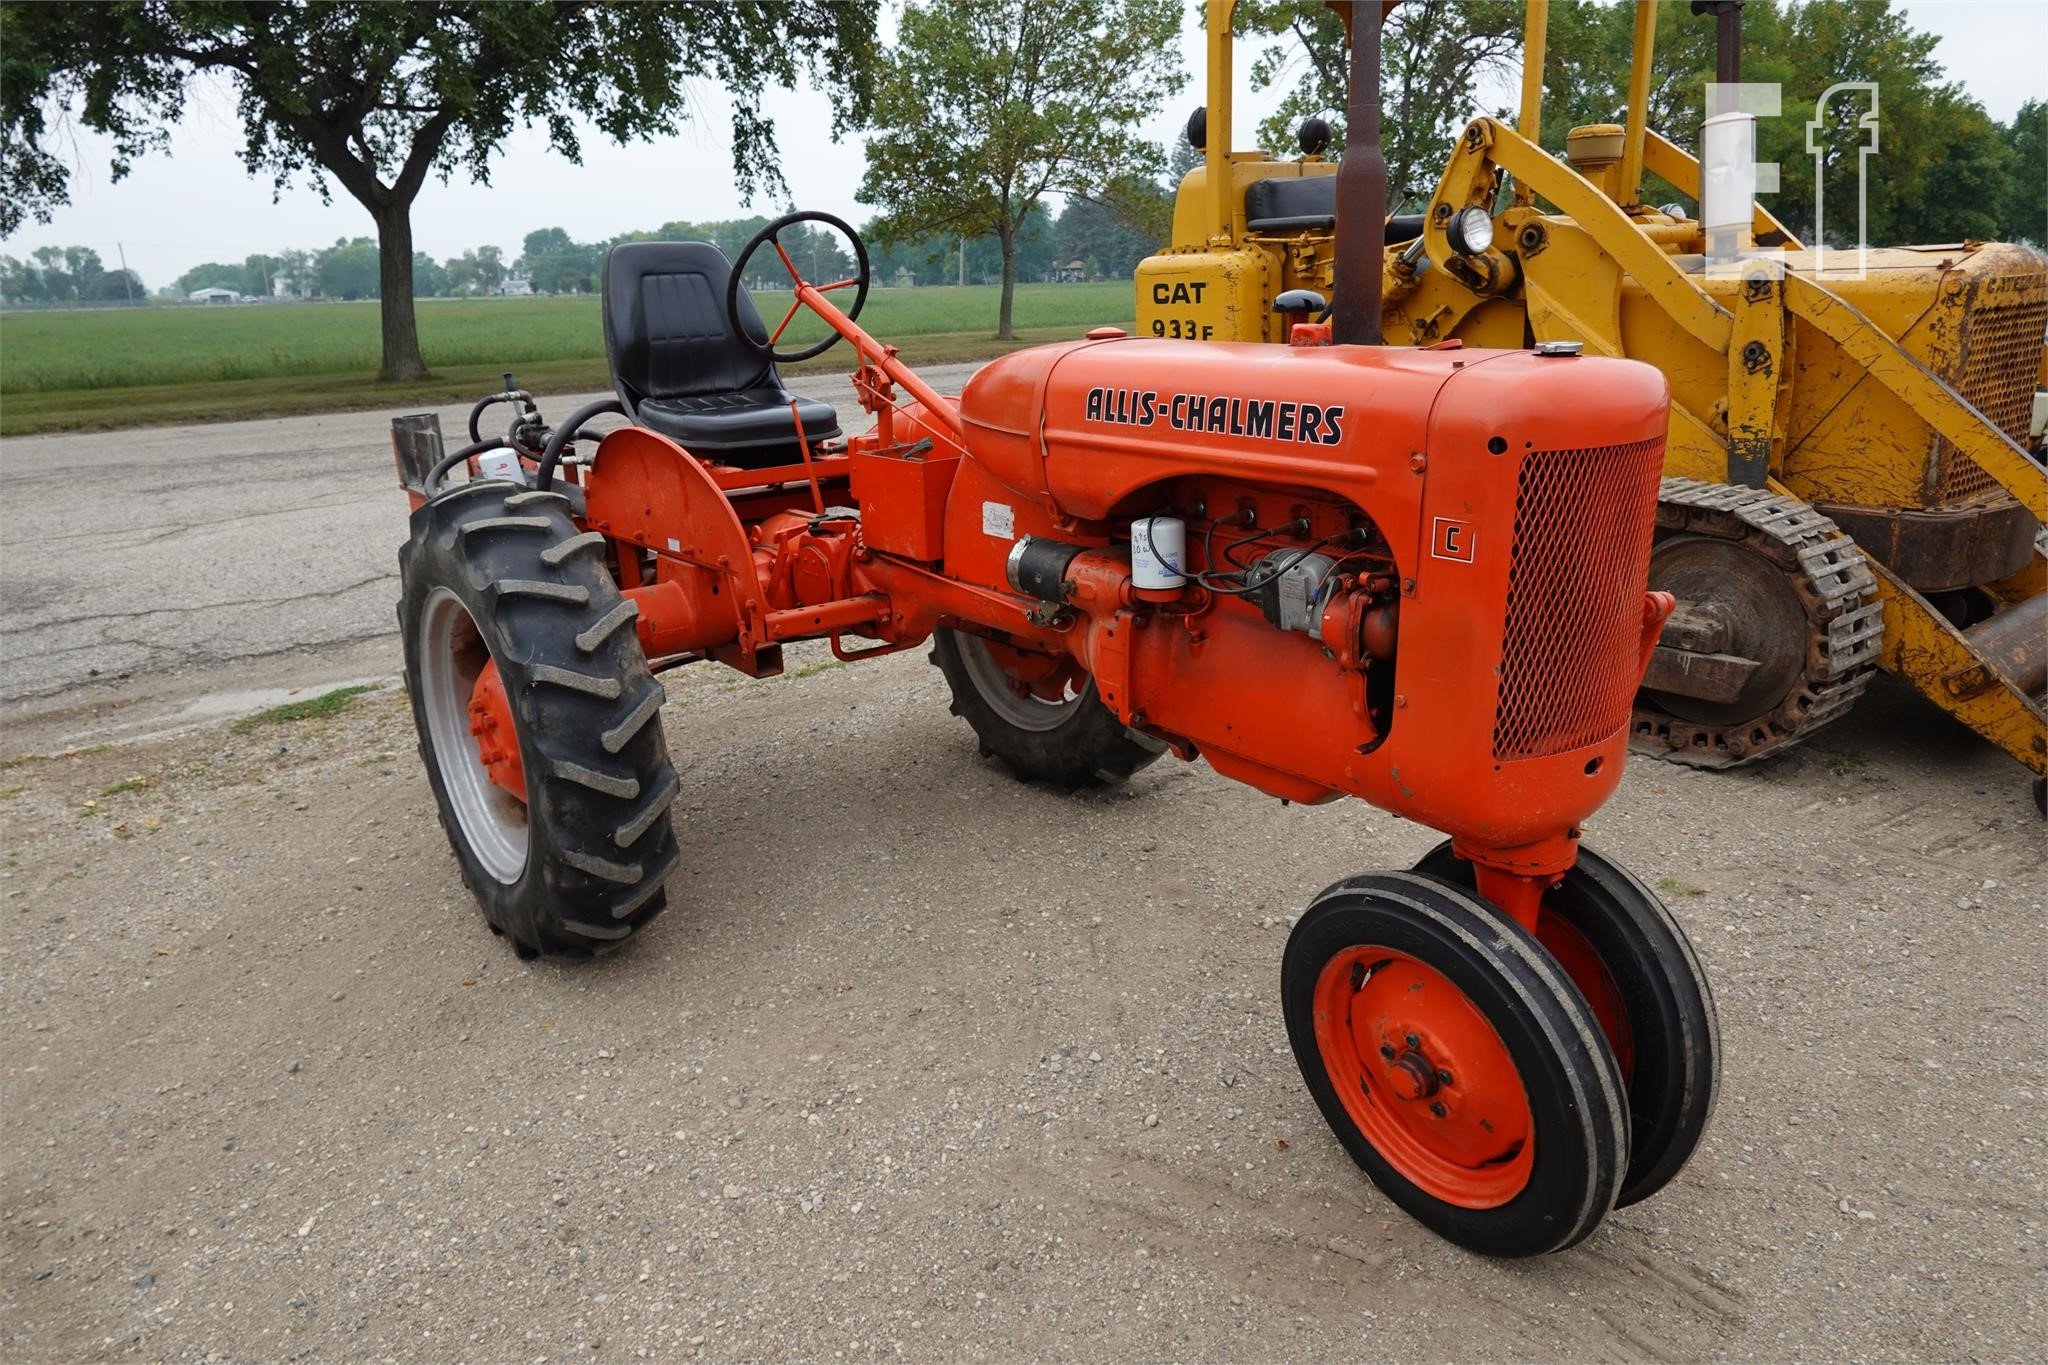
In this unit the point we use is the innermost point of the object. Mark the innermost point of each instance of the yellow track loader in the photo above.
(1848, 481)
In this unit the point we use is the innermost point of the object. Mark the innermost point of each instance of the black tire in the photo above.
(597, 846)
(1578, 1125)
(1082, 745)
(1673, 1032)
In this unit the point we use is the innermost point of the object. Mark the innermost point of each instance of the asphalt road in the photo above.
(167, 549)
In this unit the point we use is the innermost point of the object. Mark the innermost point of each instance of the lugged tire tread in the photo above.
(618, 616)
(561, 550)
(652, 809)
(574, 594)
(590, 684)
(471, 528)
(643, 711)
(625, 788)
(582, 697)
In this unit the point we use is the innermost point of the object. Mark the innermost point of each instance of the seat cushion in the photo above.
(751, 427)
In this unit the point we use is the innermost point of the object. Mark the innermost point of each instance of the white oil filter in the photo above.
(1158, 552)
(501, 463)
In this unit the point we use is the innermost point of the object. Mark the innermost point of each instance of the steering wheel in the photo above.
(767, 236)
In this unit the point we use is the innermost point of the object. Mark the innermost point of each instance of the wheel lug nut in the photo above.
(1443, 1077)
(1412, 1041)
(1387, 1051)
(1438, 1109)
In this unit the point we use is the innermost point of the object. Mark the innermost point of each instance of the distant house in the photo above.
(215, 295)
(516, 286)
(904, 278)
(1069, 272)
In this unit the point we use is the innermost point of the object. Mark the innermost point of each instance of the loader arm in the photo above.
(1490, 145)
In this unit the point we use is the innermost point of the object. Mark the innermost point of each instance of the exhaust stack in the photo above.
(1361, 190)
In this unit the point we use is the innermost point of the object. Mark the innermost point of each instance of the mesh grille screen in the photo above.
(2001, 358)
(1575, 597)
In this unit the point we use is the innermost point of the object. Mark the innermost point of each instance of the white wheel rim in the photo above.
(1025, 710)
(452, 655)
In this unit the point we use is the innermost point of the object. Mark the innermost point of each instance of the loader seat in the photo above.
(679, 370)
(1297, 202)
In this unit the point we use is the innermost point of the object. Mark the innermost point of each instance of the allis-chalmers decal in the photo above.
(1260, 418)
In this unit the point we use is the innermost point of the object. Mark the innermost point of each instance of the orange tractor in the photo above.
(1413, 576)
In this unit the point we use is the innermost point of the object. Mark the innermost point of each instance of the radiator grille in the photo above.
(1999, 364)
(1581, 556)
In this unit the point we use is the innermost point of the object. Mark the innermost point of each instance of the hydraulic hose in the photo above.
(544, 477)
(510, 395)
(448, 462)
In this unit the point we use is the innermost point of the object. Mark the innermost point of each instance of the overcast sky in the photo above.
(196, 203)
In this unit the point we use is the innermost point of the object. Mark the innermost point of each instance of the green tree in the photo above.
(2023, 212)
(66, 274)
(984, 106)
(86, 271)
(1114, 233)
(490, 267)
(20, 281)
(1943, 169)
(350, 269)
(259, 276)
(462, 275)
(429, 280)
(1433, 53)
(120, 286)
(557, 264)
(375, 97)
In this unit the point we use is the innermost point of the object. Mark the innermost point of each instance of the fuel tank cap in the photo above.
(1559, 347)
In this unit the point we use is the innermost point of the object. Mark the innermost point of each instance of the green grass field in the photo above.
(95, 370)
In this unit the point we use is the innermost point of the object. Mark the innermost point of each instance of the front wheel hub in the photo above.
(1413, 1076)
(1425, 1076)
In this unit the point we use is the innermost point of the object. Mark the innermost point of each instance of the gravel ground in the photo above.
(925, 1063)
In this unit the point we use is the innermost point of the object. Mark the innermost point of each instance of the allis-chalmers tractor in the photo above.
(1410, 575)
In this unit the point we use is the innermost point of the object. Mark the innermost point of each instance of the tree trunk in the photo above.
(1008, 237)
(394, 293)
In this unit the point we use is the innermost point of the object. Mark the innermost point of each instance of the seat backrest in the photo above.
(1286, 203)
(1295, 203)
(665, 329)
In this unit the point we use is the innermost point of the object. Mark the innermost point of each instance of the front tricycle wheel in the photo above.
(1626, 953)
(1456, 1063)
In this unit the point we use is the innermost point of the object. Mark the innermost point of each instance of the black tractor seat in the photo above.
(1298, 203)
(678, 368)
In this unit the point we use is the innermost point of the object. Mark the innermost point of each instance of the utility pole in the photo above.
(963, 261)
(127, 280)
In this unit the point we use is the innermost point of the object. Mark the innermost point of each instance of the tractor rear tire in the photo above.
(1074, 742)
(494, 573)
